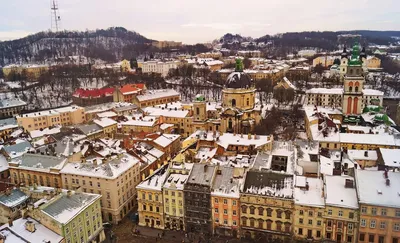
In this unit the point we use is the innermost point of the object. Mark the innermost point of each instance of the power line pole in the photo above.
(55, 17)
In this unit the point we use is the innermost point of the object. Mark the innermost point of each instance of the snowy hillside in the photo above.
(109, 45)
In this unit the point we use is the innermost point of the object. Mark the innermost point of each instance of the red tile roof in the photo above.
(93, 93)
(131, 88)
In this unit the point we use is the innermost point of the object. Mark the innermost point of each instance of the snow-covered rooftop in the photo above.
(106, 114)
(374, 139)
(40, 162)
(13, 199)
(47, 131)
(107, 170)
(157, 94)
(175, 181)
(227, 139)
(226, 184)
(372, 188)
(372, 92)
(166, 112)
(269, 184)
(64, 207)
(311, 196)
(105, 122)
(165, 140)
(332, 91)
(143, 121)
(9, 123)
(17, 233)
(363, 154)
(391, 157)
(155, 181)
(336, 194)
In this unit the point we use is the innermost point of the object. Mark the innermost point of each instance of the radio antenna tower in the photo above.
(55, 17)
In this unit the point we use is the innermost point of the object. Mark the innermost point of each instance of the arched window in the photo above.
(197, 110)
(248, 101)
(233, 102)
(350, 89)
(230, 124)
(349, 101)
(355, 106)
(356, 89)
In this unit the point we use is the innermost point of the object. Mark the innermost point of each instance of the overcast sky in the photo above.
(194, 21)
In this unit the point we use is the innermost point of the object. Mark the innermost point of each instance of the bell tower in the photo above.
(353, 84)
(200, 109)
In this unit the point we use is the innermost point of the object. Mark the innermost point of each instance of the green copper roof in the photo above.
(239, 65)
(355, 56)
(200, 97)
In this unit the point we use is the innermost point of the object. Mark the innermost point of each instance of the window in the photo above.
(279, 214)
(363, 209)
(363, 223)
(319, 214)
(215, 210)
(362, 237)
(373, 211)
(310, 213)
(234, 202)
(319, 222)
(260, 211)
(340, 213)
(225, 221)
(300, 231)
(225, 211)
(300, 221)
(244, 209)
(349, 238)
(301, 212)
(234, 212)
(397, 213)
(383, 211)
(383, 225)
(328, 235)
(310, 221)
(216, 200)
(372, 224)
(318, 234)
(371, 238)
(351, 215)
(225, 201)
(330, 212)
(396, 227)
(252, 210)
(340, 225)
(234, 222)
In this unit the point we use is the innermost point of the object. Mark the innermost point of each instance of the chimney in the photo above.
(387, 182)
(366, 153)
(8, 191)
(10, 222)
(348, 183)
(30, 226)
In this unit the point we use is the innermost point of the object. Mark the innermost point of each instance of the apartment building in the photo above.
(115, 179)
(65, 116)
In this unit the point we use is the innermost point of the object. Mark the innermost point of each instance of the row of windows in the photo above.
(310, 222)
(371, 238)
(383, 211)
(310, 213)
(382, 224)
(269, 211)
(265, 224)
(234, 213)
(225, 201)
(341, 214)
(225, 222)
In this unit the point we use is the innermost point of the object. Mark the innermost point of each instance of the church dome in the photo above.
(238, 79)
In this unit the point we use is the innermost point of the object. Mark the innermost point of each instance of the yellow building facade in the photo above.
(65, 116)
(150, 200)
(31, 71)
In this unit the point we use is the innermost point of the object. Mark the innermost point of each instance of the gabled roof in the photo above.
(131, 88)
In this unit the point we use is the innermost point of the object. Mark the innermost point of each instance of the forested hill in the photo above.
(109, 45)
(329, 39)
